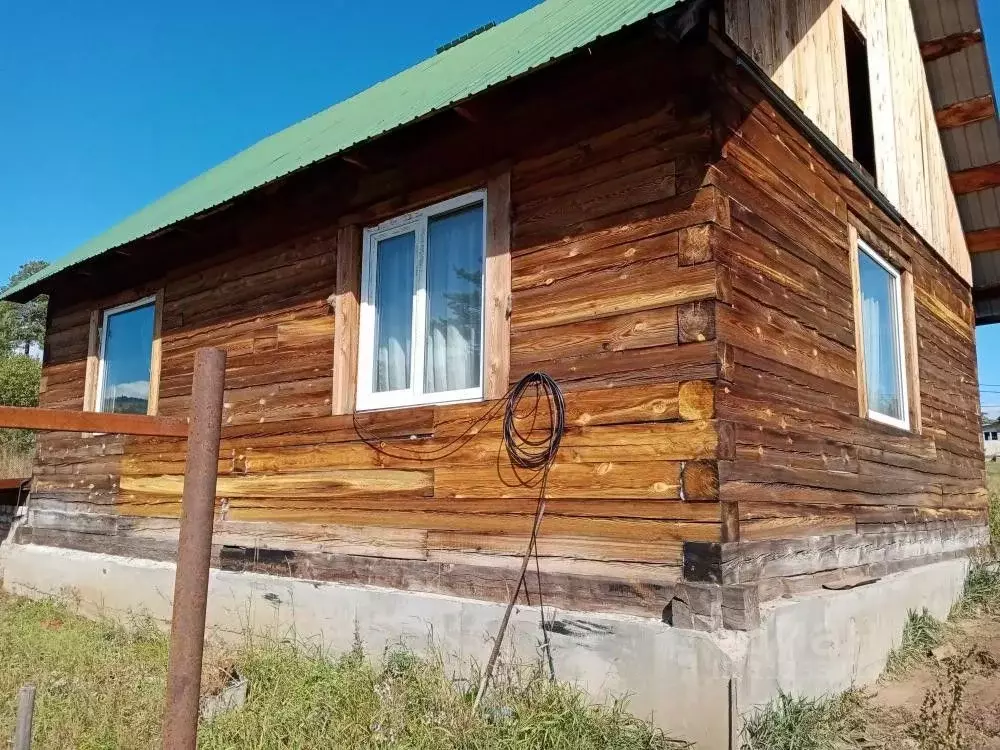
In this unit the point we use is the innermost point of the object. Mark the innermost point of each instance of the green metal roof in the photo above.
(538, 36)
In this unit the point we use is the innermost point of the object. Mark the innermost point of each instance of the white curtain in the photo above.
(871, 333)
(880, 333)
(394, 312)
(454, 301)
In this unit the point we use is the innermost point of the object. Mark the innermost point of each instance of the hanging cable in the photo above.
(533, 426)
(538, 455)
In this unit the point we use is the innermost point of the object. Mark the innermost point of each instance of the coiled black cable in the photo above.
(525, 451)
(532, 449)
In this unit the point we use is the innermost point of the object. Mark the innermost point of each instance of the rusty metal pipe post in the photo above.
(194, 552)
(25, 718)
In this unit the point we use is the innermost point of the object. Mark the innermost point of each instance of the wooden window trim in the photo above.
(346, 307)
(93, 361)
(497, 293)
(496, 299)
(95, 346)
(911, 352)
(908, 337)
(156, 356)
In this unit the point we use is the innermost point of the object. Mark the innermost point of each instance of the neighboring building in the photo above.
(991, 440)
(748, 274)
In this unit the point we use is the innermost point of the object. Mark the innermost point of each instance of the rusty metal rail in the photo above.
(194, 552)
(64, 420)
(194, 549)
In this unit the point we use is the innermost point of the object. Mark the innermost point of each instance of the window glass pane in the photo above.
(393, 312)
(128, 349)
(880, 333)
(454, 300)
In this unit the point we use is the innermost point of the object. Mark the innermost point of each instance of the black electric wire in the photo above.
(532, 450)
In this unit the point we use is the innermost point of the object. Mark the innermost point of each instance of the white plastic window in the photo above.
(882, 337)
(421, 323)
(126, 358)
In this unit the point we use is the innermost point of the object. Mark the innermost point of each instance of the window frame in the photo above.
(152, 299)
(416, 221)
(861, 103)
(901, 359)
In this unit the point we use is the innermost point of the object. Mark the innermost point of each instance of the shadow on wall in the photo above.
(773, 40)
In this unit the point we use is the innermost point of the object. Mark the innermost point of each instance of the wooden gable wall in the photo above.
(800, 44)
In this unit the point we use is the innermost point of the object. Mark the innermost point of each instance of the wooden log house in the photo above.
(726, 229)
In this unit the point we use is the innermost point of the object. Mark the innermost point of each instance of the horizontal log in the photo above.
(316, 484)
(62, 420)
(745, 562)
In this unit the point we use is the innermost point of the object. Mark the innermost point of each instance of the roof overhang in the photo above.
(953, 46)
(538, 37)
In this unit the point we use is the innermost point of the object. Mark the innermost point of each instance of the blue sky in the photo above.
(106, 106)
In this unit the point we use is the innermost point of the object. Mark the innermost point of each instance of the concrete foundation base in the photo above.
(693, 684)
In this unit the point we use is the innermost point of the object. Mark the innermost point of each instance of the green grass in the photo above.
(100, 685)
(981, 595)
(788, 723)
(921, 633)
(993, 487)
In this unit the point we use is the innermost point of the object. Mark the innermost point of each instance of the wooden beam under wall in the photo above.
(983, 240)
(347, 312)
(976, 178)
(935, 49)
(966, 112)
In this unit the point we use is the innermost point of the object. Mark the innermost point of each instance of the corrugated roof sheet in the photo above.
(536, 37)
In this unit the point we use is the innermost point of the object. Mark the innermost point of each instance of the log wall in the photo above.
(806, 461)
(611, 293)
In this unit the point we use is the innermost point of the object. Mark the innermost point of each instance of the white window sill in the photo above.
(900, 424)
(385, 401)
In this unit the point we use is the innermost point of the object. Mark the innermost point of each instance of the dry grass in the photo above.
(946, 712)
(993, 487)
(100, 685)
(789, 723)
(921, 633)
(16, 465)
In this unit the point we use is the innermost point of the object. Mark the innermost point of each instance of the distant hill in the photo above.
(131, 405)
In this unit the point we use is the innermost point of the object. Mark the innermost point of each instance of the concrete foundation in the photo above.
(693, 684)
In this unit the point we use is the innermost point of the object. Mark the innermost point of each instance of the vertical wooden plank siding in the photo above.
(497, 294)
(347, 307)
